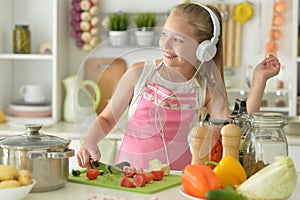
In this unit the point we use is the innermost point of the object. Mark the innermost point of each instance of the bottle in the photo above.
(214, 131)
(265, 141)
(22, 39)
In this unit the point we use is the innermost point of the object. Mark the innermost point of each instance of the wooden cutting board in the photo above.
(113, 181)
(106, 72)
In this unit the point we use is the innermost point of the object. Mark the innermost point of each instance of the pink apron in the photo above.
(159, 128)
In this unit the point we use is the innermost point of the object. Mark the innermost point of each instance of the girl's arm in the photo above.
(108, 118)
(265, 70)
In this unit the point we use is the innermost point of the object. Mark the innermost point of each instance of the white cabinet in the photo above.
(47, 21)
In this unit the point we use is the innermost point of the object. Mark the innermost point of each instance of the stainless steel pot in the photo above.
(46, 156)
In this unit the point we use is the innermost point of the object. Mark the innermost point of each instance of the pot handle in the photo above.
(42, 154)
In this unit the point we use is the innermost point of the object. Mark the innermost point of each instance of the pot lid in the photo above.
(33, 139)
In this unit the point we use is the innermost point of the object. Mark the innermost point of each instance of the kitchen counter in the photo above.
(75, 191)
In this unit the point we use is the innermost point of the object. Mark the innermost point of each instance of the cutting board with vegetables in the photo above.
(113, 181)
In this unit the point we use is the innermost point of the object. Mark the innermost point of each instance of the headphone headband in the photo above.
(216, 24)
(207, 49)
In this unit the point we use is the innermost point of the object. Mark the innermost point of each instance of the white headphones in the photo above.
(207, 49)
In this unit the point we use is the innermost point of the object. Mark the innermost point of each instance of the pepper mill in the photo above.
(200, 144)
(231, 136)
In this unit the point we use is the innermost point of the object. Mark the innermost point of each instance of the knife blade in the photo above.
(112, 169)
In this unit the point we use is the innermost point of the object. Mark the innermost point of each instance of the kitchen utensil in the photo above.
(113, 181)
(79, 102)
(231, 34)
(293, 126)
(18, 193)
(46, 156)
(107, 73)
(114, 169)
(32, 93)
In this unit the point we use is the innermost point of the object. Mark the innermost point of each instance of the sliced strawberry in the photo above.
(158, 174)
(92, 174)
(148, 177)
(139, 180)
(129, 171)
(125, 182)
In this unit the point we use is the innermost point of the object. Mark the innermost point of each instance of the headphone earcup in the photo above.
(206, 51)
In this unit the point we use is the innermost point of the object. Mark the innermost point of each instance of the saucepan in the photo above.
(293, 126)
(46, 156)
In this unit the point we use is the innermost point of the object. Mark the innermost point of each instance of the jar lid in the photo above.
(21, 25)
(33, 139)
(267, 117)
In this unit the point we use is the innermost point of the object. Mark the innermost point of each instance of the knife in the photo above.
(111, 169)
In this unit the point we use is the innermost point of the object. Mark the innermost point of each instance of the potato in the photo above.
(8, 172)
(9, 184)
(24, 177)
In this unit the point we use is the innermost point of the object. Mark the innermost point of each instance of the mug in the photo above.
(32, 93)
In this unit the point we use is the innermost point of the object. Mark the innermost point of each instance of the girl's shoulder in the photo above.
(143, 67)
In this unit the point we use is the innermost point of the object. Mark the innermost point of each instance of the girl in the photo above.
(166, 95)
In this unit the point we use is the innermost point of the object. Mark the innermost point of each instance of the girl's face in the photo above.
(178, 42)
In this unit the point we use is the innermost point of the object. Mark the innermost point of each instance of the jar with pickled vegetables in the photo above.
(22, 39)
(216, 149)
(265, 141)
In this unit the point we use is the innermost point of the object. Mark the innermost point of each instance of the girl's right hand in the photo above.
(87, 151)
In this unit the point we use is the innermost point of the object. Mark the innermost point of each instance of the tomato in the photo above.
(129, 171)
(125, 182)
(92, 174)
(158, 174)
(139, 180)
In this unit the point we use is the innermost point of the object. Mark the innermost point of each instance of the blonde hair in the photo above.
(199, 18)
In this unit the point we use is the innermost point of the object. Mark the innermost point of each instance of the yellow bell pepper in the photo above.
(229, 171)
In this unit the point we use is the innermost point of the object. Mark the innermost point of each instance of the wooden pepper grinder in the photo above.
(200, 144)
(231, 137)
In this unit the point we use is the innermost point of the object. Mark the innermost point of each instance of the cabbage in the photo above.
(275, 181)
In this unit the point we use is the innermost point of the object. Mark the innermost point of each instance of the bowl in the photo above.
(18, 193)
(293, 126)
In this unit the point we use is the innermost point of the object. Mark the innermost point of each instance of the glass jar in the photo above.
(216, 148)
(22, 39)
(265, 141)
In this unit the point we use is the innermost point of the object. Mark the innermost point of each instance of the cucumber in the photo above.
(224, 194)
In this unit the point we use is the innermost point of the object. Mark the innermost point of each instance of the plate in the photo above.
(29, 108)
(46, 113)
(189, 196)
(21, 102)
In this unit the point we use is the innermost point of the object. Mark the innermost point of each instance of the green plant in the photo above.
(119, 21)
(146, 20)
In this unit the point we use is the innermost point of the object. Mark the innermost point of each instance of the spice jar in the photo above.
(216, 149)
(265, 141)
(22, 39)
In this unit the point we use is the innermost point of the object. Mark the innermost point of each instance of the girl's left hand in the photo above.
(268, 68)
